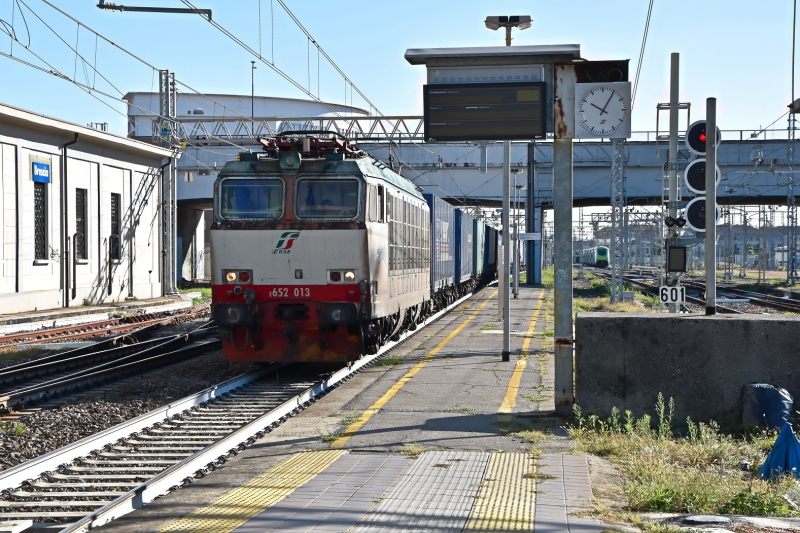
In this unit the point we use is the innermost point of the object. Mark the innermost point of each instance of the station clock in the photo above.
(603, 110)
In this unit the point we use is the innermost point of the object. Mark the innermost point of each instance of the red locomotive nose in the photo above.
(244, 276)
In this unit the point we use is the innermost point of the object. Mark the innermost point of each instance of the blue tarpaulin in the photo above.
(784, 457)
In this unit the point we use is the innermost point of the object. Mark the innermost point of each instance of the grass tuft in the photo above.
(412, 450)
(694, 471)
(391, 360)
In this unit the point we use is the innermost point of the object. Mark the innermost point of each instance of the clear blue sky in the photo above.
(737, 51)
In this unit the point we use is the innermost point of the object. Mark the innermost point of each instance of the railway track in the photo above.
(653, 289)
(104, 327)
(70, 371)
(108, 475)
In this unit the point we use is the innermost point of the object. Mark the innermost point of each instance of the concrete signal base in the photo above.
(625, 360)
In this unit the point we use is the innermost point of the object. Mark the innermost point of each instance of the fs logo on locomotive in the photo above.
(285, 242)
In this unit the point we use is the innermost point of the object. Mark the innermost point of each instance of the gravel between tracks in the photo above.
(48, 429)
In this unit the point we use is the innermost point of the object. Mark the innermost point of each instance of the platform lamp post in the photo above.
(521, 22)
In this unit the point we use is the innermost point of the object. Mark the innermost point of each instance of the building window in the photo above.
(114, 239)
(40, 219)
(80, 223)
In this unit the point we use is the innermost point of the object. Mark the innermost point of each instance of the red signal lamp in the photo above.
(244, 277)
(703, 137)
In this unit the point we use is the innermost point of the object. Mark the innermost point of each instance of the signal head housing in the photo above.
(696, 137)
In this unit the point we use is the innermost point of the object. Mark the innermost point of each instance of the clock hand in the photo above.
(601, 109)
(607, 101)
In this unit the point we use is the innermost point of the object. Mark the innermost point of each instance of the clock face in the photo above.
(602, 110)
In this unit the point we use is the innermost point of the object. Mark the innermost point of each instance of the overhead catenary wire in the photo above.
(641, 53)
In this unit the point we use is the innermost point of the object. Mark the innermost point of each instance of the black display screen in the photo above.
(676, 259)
(484, 111)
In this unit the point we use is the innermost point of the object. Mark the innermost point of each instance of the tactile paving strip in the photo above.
(435, 494)
(506, 499)
(242, 504)
(335, 500)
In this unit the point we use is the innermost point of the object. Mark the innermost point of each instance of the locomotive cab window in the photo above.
(318, 198)
(251, 198)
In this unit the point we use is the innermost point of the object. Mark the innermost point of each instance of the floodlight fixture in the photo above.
(522, 22)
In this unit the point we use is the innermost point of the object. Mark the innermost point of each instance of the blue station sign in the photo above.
(41, 172)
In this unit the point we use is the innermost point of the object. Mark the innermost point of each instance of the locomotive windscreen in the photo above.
(251, 198)
(327, 198)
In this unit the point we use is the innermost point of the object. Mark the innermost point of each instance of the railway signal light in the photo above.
(696, 137)
(696, 214)
(695, 176)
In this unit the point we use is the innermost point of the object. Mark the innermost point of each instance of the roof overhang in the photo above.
(545, 53)
(23, 118)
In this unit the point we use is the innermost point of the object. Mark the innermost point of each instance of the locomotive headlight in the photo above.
(230, 276)
(350, 275)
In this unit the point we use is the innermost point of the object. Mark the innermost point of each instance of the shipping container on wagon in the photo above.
(464, 246)
(443, 261)
(490, 264)
(478, 247)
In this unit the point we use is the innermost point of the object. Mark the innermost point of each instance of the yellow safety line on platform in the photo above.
(507, 494)
(375, 407)
(242, 504)
(510, 400)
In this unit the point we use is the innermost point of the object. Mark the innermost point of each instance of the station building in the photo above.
(81, 215)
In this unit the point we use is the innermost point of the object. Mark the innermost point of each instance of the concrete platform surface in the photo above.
(431, 439)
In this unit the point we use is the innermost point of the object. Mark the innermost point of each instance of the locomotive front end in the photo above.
(290, 273)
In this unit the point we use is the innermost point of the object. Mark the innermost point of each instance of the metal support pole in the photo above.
(674, 103)
(253, 91)
(711, 206)
(533, 222)
(506, 303)
(516, 238)
(562, 217)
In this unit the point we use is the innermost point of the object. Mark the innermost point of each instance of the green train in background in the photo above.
(596, 257)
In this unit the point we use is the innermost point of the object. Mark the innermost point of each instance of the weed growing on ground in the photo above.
(694, 472)
(545, 333)
(352, 418)
(489, 326)
(391, 360)
(330, 437)
(458, 410)
(198, 301)
(548, 278)
(19, 353)
(412, 450)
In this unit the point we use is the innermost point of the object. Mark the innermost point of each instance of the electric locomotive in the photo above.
(320, 252)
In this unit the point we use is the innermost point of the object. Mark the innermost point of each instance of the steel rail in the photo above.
(205, 458)
(80, 380)
(763, 300)
(653, 289)
(90, 354)
(92, 329)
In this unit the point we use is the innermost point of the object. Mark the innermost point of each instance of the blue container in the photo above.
(464, 246)
(478, 247)
(443, 248)
(490, 254)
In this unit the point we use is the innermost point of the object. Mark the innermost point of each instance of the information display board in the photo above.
(507, 111)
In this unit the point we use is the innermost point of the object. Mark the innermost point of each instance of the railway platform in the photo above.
(440, 435)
